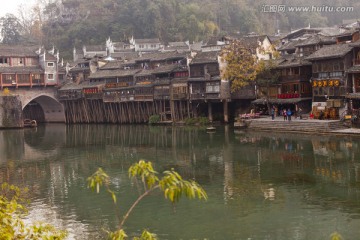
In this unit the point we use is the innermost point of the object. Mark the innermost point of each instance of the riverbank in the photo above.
(300, 125)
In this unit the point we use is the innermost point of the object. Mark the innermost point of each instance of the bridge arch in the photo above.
(43, 108)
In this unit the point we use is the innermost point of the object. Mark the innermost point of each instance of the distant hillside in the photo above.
(70, 23)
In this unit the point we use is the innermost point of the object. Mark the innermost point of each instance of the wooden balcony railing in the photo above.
(179, 96)
(288, 95)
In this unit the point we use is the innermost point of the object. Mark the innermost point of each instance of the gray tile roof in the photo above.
(330, 51)
(291, 45)
(113, 65)
(21, 70)
(18, 51)
(149, 40)
(113, 73)
(205, 57)
(354, 69)
(161, 56)
(95, 48)
(75, 86)
(316, 39)
(293, 62)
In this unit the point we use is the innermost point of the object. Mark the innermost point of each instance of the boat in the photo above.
(30, 123)
(210, 129)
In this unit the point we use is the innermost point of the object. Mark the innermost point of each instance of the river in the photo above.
(261, 185)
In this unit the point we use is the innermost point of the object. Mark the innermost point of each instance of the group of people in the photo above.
(286, 113)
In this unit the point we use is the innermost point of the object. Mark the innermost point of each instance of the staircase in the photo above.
(315, 126)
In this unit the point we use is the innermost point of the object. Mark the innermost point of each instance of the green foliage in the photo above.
(241, 65)
(154, 119)
(6, 91)
(146, 236)
(197, 121)
(203, 120)
(190, 121)
(10, 29)
(117, 235)
(336, 236)
(12, 212)
(98, 179)
(170, 183)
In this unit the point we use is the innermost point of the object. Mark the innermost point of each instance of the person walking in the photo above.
(284, 114)
(288, 113)
(272, 113)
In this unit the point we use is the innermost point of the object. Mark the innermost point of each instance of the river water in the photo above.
(260, 185)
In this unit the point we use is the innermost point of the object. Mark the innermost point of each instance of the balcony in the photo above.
(356, 61)
(288, 95)
(179, 96)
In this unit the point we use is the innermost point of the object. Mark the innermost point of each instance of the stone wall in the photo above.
(10, 112)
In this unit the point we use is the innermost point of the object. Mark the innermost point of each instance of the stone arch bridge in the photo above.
(46, 99)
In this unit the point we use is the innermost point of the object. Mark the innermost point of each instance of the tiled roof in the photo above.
(196, 46)
(161, 56)
(290, 45)
(75, 86)
(316, 39)
(300, 32)
(125, 55)
(21, 70)
(161, 69)
(348, 32)
(330, 51)
(205, 57)
(293, 62)
(18, 51)
(149, 40)
(50, 57)
(354, 69)
(177, 44)
(112, 73)
(355, 44)
(95, 48)
(252, 41)
(113, 65)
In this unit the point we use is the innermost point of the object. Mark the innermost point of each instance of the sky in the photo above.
(11, 6)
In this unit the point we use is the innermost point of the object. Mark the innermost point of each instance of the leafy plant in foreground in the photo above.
(170, 183)
(12, 212)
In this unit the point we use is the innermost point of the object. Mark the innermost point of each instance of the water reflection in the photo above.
(261, 185)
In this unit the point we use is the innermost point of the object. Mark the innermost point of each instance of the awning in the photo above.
(262, 101)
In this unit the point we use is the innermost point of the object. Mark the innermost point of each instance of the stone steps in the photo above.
(296, 125)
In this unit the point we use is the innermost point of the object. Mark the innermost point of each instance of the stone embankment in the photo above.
(300, 125)
(10, 112)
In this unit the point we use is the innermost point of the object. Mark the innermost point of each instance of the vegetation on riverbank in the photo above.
(147, 180)
(12, 212)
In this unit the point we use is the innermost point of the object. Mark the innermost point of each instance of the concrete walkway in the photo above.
(297, 125)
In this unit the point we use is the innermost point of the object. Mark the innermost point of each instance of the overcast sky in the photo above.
(11, 6)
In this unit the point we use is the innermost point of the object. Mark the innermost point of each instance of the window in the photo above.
(323, 75)
(296, 88)
(305, 88)
(336, 74)
(9, 77)
(4, 60)
(212, 87)
(50, 76)
(50, 64)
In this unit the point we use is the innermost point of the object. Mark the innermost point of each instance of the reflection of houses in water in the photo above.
(333, 159)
